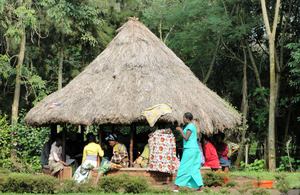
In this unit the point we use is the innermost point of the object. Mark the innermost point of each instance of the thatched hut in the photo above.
(136, 71)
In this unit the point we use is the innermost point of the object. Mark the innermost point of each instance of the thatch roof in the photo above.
(136, 71)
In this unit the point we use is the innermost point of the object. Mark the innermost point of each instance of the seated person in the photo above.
(210, 153)
(55, 163)
(143, 160)
(222, 151)
(118, 160)
(89, 159)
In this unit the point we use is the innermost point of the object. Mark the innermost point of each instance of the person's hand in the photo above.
(67, 164)
(178, 129)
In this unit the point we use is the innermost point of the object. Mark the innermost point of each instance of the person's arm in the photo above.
(100, 151)
(236, 148)
(188, 133)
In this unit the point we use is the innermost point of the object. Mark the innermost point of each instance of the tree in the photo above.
(271, 36)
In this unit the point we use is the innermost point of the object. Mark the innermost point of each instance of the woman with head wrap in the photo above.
(119, 158)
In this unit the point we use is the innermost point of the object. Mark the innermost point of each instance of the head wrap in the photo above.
(111, 137)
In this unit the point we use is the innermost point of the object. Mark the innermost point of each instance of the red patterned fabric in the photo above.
(162, 151)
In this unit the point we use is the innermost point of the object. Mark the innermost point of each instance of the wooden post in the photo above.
(64, 140)
(100, 134)
(246, 156)
(53, 134)
(132, 133)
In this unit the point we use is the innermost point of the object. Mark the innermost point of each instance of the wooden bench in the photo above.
(67, 171)
(151, 176)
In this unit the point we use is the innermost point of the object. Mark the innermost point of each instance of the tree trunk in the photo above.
(244, 109)
(60, 65)
(15, 106)
(272, 108)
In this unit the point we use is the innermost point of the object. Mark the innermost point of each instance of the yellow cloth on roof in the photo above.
(152, 114)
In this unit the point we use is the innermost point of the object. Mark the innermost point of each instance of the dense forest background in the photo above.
(46, 43)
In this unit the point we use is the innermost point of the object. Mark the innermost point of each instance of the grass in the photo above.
(292, 177)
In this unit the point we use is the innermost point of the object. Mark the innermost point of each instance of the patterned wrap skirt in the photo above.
(189, 170)
(107, 165)
(55, 166)
(81, 175)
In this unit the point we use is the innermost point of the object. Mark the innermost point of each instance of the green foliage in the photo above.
(135, 184)
(224, 191)
(230, 183)
(284, 164)
(26, 183)
(259, 191)
(282, 183)
(130, 184)
(213, 178)
(257, 165)
(26, 141)
(295, 69)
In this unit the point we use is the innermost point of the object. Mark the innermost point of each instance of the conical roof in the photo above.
(136, 71)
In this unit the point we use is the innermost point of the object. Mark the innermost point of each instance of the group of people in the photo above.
(90, 159)
(215, 153)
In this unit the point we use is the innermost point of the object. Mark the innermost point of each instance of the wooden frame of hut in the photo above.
(136, 71)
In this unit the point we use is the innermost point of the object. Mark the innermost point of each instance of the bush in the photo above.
(135, 184)
(284, 164)
(260, 191)
(26, 183)
(130, 184)
(214, 178)
(257, 165)
(231, 184)
(282, 183)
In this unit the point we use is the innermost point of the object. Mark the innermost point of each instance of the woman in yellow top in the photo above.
(89, 159)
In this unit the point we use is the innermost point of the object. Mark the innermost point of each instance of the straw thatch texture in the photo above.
(136, 71)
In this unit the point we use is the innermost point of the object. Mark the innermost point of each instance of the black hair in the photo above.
(222, 135)
(205, 137)
(188, 115)
(91, 137)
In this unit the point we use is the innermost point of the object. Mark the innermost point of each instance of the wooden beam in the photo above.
(64, 141)
(100, 134)
(132, 133)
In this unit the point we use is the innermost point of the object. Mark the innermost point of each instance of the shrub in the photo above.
(260, 191)
(282, 184)
(110, 184)
(130, 184)
(26, 183)
(284, 164)
(257, 165)
(231, 184)
(135, 184)
(214, 178)
(67, 186)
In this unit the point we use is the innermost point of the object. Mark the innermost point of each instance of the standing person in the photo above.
(189, 170)
(222, 150)
(119, 158)
(210, 153)
(89, 159)
(55, 163)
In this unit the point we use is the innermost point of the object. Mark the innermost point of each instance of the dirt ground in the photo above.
(243, 185)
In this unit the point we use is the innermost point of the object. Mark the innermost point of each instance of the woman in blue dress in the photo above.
(189, 170)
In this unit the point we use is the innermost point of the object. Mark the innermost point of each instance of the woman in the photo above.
(222, 151)
(189, 170)
(211, 156)
(56, 165)
(89, 159)
(119, 158)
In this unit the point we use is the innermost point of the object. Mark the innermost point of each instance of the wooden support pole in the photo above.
(53, 134)
(100, 131)
(132, 133)
(64, 141)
